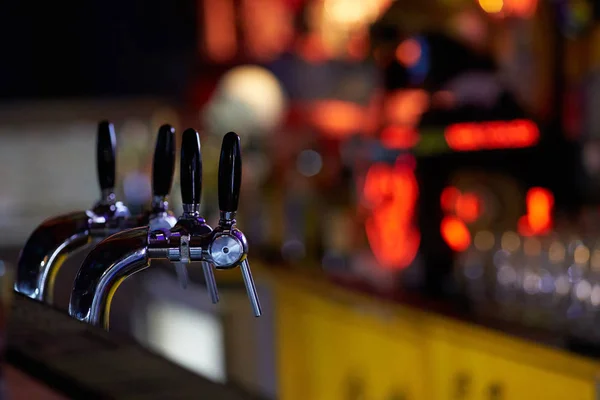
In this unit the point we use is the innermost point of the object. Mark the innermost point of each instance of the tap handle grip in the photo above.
(163, 166)
(230, 173)
(106, 155)
(191, 167)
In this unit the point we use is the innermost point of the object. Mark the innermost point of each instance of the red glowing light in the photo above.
(377, 184)
(449, 197)
(406, 107)
(455, 233)
(538, 220)
(521, 8)
(492, 135)
(468, 207)
(399, 137)
(392, 192)
(540, 202)
(408, 52)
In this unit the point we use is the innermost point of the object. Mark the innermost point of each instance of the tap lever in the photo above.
(191, 193)
(163, 165)
(106, 156)
(229, 247)
(250, 288)
(182, 274)
(230, 175)
(211, 283)
(191, 171)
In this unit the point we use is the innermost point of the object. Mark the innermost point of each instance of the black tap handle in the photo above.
(163, 166)
(230, 173)
(106, 155)
(191, 167)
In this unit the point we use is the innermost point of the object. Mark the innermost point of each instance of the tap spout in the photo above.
(45, 251)
(105, 268)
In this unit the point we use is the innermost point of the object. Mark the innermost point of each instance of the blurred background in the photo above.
(440, 154)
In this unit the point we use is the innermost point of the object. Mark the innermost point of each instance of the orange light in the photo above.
(408, 52)
(377, 184)
(492, 135)
(521, 8)
(336, 118)
(267, 28)
(399, 138)
(538, 220)
(220, 31)
(405, 107)
(540, 202)
(393, 193)
(455, 233)
(468, 207)
(449, 198)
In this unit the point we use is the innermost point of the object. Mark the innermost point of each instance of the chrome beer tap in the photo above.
(190, 240)
(163, 167)
(59, 237)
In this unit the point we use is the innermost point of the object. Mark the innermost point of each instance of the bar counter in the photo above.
(76, 360)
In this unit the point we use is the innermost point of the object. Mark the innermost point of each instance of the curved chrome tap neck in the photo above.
(104, 269)
(111, 279)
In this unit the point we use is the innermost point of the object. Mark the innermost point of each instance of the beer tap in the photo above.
(228, 247)
(190, 240)
(163, 167)
(57, 238)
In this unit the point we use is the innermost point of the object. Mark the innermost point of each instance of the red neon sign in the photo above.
(392, 192)
(492, 135)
